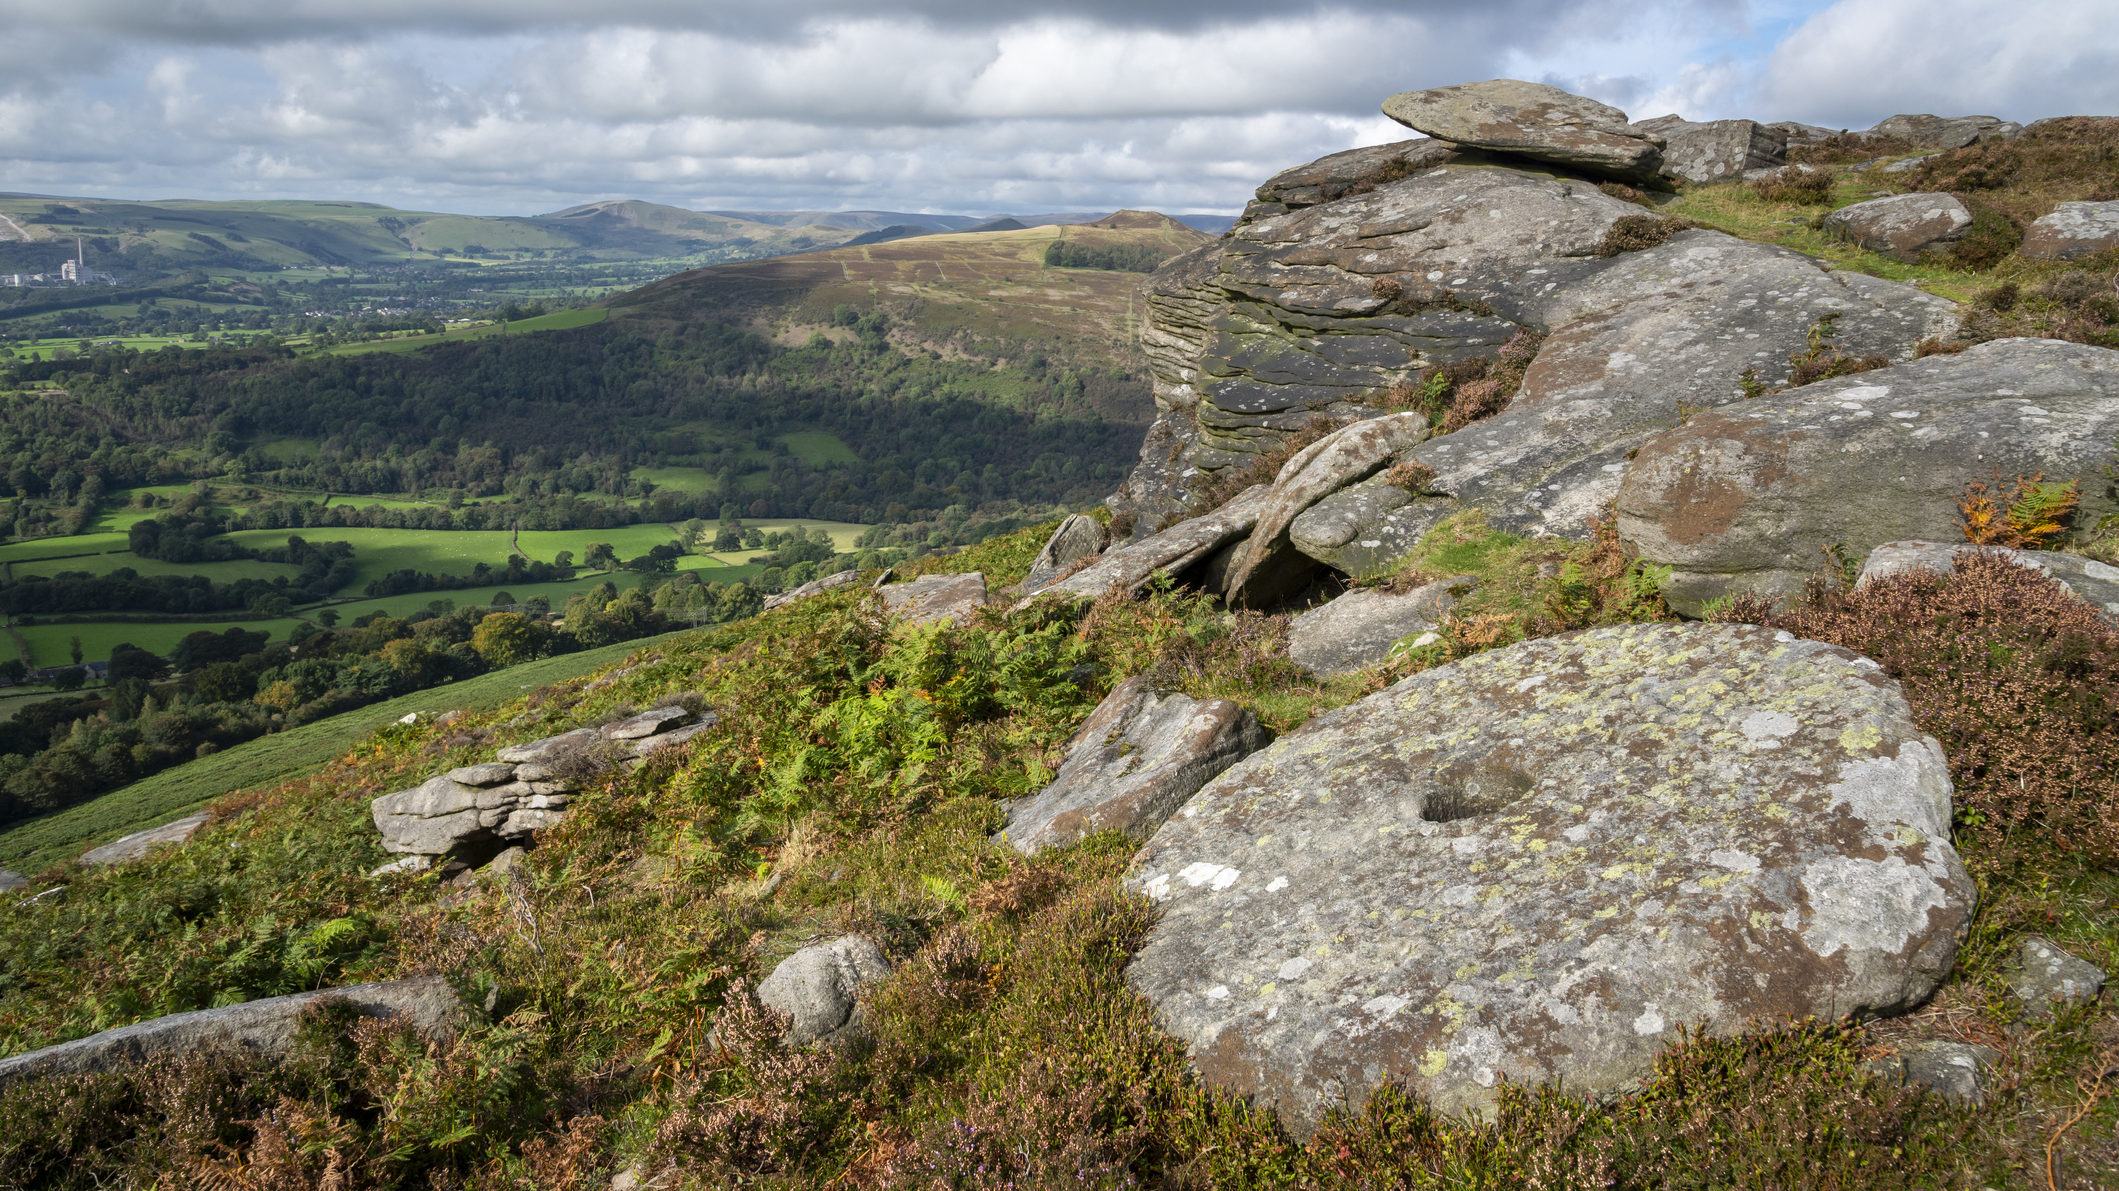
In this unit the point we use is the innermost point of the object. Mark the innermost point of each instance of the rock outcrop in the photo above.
(2089, 579)
(1907, 227)
(2048, 979)
(132, 847)
(475, 810)
(1717, 150)
(929, 599)
(10, 880)
(1357, 629)
(1535, 121)
(1267, 567)
(813, 587)
(1318, 309)
(1746, 497)
(1945, 132)
(264, 1028)
(1136, 759)
(818, 988)
(1078, 537)
(1537, 863)
(2073, 230)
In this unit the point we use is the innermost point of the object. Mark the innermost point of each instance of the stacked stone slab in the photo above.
(525, 789)
(1718, 150)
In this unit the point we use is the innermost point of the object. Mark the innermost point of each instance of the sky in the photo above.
(950, 106)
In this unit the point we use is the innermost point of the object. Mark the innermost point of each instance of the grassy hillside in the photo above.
(988, 292)
(853, 787)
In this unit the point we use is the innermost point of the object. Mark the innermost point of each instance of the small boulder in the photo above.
(1357, 629)
(818, 986)
(1745, 497)
(932, 598)
(1960, 1071)
(671, 739)
(1170, 552)
(265, 1028)
(1140, 754)
(2073, 230)
(1907, 227)
(1717, 150)
(1532, 120)
(488, 773)
(2089, 579)
(413, 864)
(1540, 862)
(647, 723)
(2047, 979)
(1077, 538)
(1798, 133)
(10, 880)
(139, 843)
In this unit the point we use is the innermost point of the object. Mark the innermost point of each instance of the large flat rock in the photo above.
(930, 599)
(260, 1027)
(1136, 759)
(1357, 629)
(1746, 497)
(1532, 120)
(1539, 862)
(132, 847)
(1170, 552)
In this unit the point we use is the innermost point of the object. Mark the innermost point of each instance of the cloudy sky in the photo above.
(964, 106)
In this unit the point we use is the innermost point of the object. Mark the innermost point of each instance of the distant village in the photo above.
(73, 272)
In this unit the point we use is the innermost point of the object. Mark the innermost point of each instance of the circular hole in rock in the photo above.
(1468, 790)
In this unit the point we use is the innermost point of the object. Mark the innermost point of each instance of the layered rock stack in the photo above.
(474, 811)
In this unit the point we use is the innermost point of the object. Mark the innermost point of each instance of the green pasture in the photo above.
(81, 543)
(819, 447)
(104, 564)
(676, 479)
(15, 701)
(49, 641)
(53, 839)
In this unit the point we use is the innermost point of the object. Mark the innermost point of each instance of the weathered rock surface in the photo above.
(1077, 538)
(1267, 567)
(10, 880)
(1798, 133)
(1532, 120)
(1945, 132)
(1674, 326)
(818, 987)
(1140, 754)
(1959, 1071)
(475, 809)
(1170, 552)
(1907, 227)
(2091, 580)
(1744, 498)
(1357, 629)
(932, 598)
(1337, 175)
(265, 1028)
(1717, 150)
(2047, 979)
(813, 587)
(2073, 230)
(140, 843)
(1538, 862)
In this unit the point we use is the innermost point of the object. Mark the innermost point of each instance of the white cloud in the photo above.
(1861, 60)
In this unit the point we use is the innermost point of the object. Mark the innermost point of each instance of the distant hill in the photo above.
(986, 293)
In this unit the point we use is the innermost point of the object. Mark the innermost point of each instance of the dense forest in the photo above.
(533, 424)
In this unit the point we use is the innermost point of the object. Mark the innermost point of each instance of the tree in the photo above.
(73, 649)
(130, 661)
(600, 557)
(12, 671)
(327, 617)
(505, 638)
(69, 679)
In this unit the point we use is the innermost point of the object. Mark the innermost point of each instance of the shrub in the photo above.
(1821, 359)
(2015, 676)
(1990, 239)
(2028, 516)
(1632, 233)
(1410, 475)
(1794, 184)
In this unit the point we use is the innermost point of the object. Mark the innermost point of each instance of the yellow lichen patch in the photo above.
(1860, 738)
(1432, 1063)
